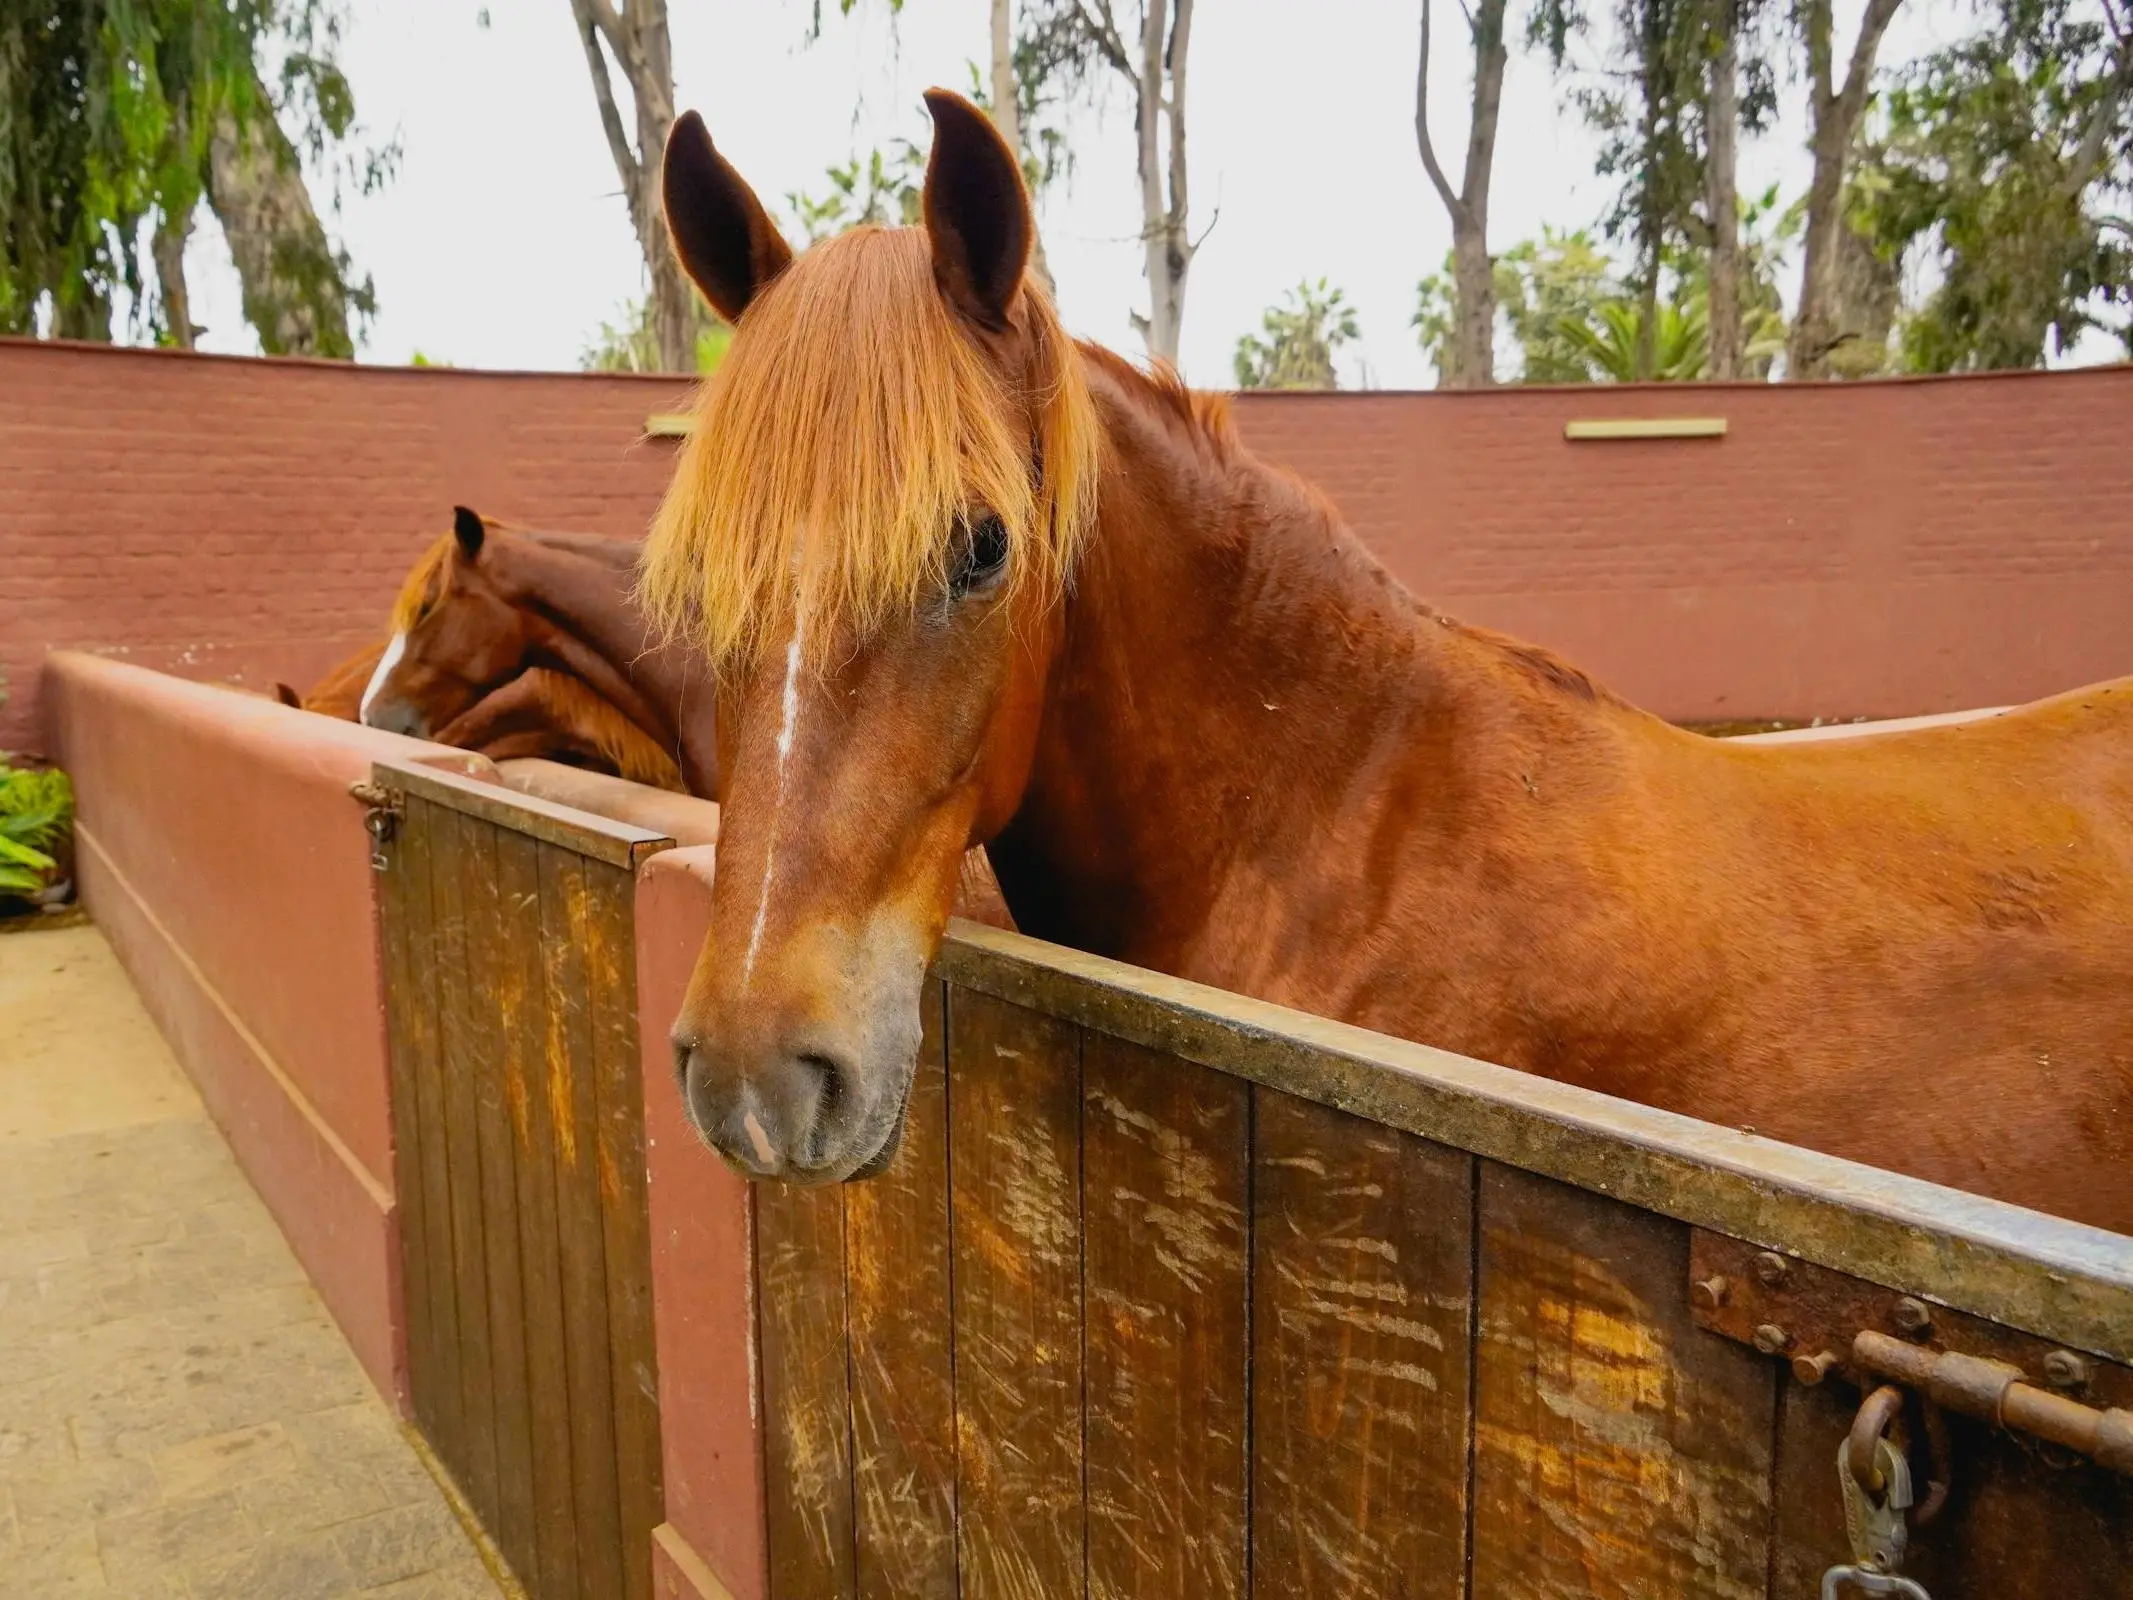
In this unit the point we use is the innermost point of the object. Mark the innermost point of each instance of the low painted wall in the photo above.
(712, 1544)
(220, 852)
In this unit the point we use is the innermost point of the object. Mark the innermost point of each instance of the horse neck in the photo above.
(1235, 679)
(588, 622)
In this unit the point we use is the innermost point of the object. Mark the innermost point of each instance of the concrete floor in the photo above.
(178, 1414)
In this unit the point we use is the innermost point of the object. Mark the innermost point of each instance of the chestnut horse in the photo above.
(518, 643)
(964, 582)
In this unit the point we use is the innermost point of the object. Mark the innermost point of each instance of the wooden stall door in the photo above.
(1117, 1325)
(518, 1126)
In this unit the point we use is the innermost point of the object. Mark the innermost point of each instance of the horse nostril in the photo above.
(684, 1047)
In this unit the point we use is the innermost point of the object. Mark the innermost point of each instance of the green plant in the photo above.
(36, 810)
(1298, 340)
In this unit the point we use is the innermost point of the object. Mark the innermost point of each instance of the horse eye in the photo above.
(980, 556)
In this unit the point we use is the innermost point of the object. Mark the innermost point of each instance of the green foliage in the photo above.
(1608, 342)
(1546, 288)
(1571, 318)
(885, 188)
(2005, 164)
(107, 109)
(1298, 340)
(36, 812)
(631, 344)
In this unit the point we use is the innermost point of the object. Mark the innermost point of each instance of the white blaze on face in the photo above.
(394, 650)
(788, 725)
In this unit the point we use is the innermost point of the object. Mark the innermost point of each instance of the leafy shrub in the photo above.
(36, 812)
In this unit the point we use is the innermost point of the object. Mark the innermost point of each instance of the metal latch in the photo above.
(381, 818)
(2064, 1404)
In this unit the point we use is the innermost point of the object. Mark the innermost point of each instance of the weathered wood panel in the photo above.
(512, 1399)
(410, 1029)
(807, 1417)
(566, 933)
(1362, 1286)
(1166, 1173)
(896, 1233)
(474, 1462)
(1014, 1114)
(519, 1125)
(611, 970)
(1620, 1452)
(522, 1007)
(439, 1408)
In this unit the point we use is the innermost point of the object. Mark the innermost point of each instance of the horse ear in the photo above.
(723, 237)
(469, 530)
(977, 211)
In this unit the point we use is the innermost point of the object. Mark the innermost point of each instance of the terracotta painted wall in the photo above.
(1883, 549)
(222, 856)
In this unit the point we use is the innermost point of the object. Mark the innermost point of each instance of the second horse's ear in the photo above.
(469, 530)
(977, 211)
(724, 238)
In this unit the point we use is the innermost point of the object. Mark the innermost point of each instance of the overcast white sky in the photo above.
(504, 243)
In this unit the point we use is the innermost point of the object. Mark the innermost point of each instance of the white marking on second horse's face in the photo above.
(394, 650)
(788, 727)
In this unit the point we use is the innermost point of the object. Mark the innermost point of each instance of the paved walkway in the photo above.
(178, 1414)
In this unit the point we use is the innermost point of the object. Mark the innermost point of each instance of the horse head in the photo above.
(870, 534)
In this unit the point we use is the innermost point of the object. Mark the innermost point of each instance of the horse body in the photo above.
(1235, 749)
(1268, 771)
(1265, 768)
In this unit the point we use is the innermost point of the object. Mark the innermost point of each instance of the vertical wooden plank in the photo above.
(902, 1355)
(2016, 1527)
(611, 961)
(1619, 1451)
(807, 1419)
(522, 1009)
(403, 898)
(1014, 1131)
(483, 1065)
(1166, 1185)
(441, 1413)
(475, 1464)
(1362, 1274)
(581, 1236)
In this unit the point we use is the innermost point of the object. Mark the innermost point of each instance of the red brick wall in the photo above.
(1880, 549)
(249, 520)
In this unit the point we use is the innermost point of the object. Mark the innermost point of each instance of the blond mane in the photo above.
(851, 424)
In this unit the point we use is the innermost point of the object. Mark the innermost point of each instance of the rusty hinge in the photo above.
(381, 816)
(1823, 1322)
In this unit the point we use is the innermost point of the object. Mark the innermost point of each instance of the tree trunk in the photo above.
(1006, 92)
(88, 317)
(1473, 270)
(169, 252)
(1835, 114)
(1007, 113)
(293, 293)
(1647, 351)
(1474, 283)
(1722, 194)
(1167, 250)
(635, 34)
